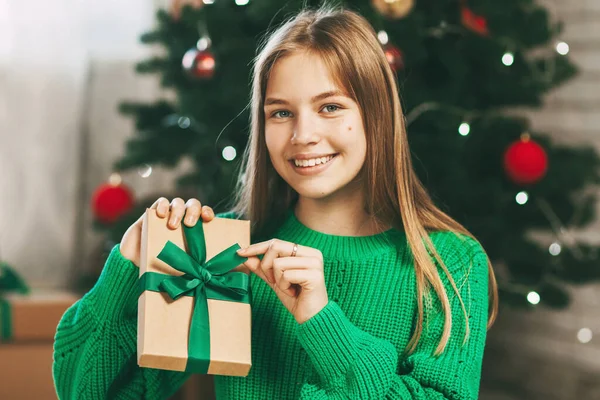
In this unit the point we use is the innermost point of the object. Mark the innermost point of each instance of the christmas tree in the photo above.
(466, 70)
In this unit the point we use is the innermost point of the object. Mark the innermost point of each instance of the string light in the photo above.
(208, 1)
(242, 2)
(562, 48)
(522, 198)
(203, 43)
(229, 153)
(464, 129)
(184, 122)
(562, 234)
(508, 58)
(533, 297)
(555, 249)
(145, 171)
(584, 335)
(383, 37)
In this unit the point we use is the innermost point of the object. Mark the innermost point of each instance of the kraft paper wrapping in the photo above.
(33, 316)
(164, 324)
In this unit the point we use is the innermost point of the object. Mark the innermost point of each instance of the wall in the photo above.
(64, 66)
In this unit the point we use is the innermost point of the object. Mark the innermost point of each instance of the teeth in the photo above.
(312, 162)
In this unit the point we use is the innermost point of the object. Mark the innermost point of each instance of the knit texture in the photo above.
(352, 349)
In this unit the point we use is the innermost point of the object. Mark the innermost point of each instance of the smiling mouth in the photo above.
(315, 162)
(313, 170)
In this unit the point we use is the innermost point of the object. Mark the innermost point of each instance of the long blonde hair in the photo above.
(348, 45)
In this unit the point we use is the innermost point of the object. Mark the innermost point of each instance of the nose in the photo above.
(305, 131)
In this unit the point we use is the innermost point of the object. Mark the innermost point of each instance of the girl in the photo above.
(362, 288)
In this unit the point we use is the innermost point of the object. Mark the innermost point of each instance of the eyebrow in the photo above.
(314, 99)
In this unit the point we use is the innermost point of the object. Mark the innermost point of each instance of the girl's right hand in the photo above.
(192, 210)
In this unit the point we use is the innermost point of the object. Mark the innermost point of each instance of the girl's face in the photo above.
(314, 132)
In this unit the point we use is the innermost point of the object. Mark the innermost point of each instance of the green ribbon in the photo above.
(203, 280)
(10, 281)
(5, 320)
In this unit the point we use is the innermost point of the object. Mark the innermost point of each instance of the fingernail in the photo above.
(189, 220)
(173, 221)
(241, 251)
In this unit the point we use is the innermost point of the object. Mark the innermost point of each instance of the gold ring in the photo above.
(294, 250)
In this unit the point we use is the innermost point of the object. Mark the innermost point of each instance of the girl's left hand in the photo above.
(298, 281)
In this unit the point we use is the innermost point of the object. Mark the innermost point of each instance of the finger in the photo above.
(255, 249)
(287, 287)
(266, 263)
(271, 249)
(161, 205)
(283, 248)
(207, 214)
(281, 265)
(177, 211)
(294, 280)
(305, 278)
(277, 248)
(253, 264)
(192, 212)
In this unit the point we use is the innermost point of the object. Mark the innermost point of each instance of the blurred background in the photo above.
(106, 106)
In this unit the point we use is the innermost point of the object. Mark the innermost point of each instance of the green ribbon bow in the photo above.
(10, 281)
(203, 280)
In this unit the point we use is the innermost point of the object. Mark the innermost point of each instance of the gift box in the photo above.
(27, 371)
(194, 307)
(27, 315)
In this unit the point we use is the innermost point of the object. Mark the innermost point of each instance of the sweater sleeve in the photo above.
(353, 364)
(95, 346)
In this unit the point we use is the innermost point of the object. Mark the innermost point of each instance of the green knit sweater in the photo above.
(352, 349)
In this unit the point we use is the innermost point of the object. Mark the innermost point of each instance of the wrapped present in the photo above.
(27, 371)
(194, 307)
(33, 316)
(29, 315)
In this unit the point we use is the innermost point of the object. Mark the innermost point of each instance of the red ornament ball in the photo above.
(474, 22)
(109, 202)
(395, 57)
(199, 64)
(525, 161)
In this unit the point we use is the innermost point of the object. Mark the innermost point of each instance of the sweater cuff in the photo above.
(331, 341)
(115, 294)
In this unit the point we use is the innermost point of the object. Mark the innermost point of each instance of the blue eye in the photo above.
(335, 107)
(277, 114)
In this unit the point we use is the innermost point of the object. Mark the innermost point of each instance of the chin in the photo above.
(314, 195)
(315, 192)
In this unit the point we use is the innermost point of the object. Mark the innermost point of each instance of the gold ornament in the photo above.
(394, 9)
(177, 5)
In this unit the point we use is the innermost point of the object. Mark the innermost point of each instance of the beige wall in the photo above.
(64, 66)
